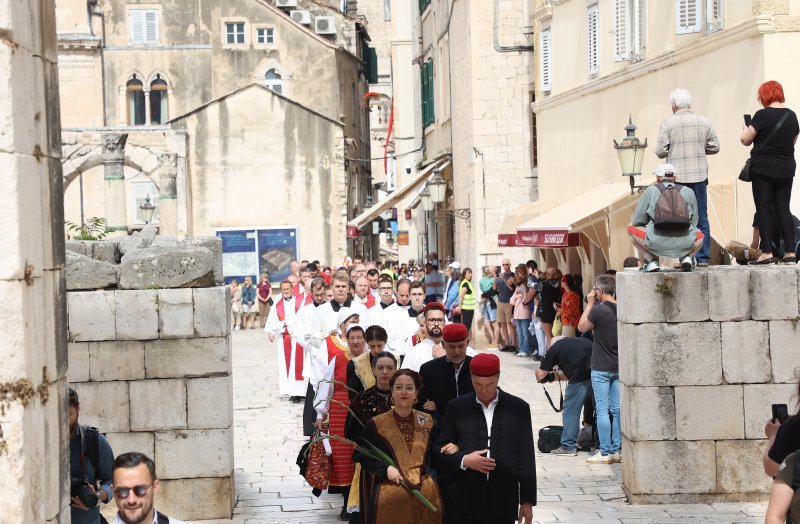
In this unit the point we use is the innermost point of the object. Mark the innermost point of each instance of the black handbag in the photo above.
(744, 174)
(549, 438)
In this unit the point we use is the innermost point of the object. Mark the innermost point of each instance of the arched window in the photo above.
(159, 108)
(273, 81)
(136, 108)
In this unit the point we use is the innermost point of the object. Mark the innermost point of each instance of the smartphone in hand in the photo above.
(780, 412)
(748, 120)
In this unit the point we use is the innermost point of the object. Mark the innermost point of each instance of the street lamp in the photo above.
(147, 208)
(631, 153)
(426, 200)
(437, 186)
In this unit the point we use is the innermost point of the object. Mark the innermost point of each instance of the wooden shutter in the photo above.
(622, 40)
(639, 25)
(136, 25)
(715, 16)
(592, 37)
(431, 106)
(545, 59)
(687, 17)
(151, 26)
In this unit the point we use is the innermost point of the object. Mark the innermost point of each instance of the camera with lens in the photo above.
(550, 377)
(83, 489)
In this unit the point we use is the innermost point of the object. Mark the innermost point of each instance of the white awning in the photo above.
(398, 195)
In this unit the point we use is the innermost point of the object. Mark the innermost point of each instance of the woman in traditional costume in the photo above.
(406, 435)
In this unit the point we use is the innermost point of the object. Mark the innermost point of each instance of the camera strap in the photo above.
(560, 407)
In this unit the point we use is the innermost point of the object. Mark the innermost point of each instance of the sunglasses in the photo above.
(140, 491)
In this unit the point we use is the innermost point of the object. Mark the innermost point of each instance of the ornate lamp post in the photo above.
(147, 208)
(631, 154)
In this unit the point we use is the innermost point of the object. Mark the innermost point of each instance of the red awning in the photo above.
(506, 240)
(548, 238)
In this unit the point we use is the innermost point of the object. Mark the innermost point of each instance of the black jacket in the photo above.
(514, 479)
(439, 384)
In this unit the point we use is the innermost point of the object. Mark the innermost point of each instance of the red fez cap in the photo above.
(433, 305)
(454, 333)
(484, 365)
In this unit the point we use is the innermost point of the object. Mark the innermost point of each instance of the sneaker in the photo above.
(616, 458)
(599, 458)
(564, 452)
(536, 357)
(702, 264)
(236, 328)
(521, 354)
(686, 264)
(650, 267)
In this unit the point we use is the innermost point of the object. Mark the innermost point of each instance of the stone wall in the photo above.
(152, 368)
(703, 355)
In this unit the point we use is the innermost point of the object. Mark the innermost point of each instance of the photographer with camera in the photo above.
(90, 463)
(572, 356)
(783, 432)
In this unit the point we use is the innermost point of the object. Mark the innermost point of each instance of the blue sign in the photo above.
(249, 252)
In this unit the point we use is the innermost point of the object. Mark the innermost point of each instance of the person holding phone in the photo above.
(773, 132)
(783, 432)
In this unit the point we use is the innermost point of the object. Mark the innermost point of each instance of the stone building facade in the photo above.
(630, 56)
(138, 67)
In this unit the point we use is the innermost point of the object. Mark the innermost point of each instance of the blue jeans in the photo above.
(523, 335)
(606, 402)
(701, 193)
(574, 397)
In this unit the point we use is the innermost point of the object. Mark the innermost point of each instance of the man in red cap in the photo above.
(495, 467)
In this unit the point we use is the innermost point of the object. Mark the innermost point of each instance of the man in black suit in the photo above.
(447, 377)
(495, 467)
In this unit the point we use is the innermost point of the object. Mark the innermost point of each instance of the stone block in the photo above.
(167, 267)
(106, 251)
(157, 405)
(685, 296)
(212, 312)
(143, 442)
(175, 313)
(82, 247)
(768, 284)
(194, 453)
(104, 405)
(213, 244)
(709, 412)
(195, 357)
(197, 499)
(92, 316)
(635, 289)
(745, 352)
(78, 357)
(209, 402)
(138, 240)
(669, 467)
(740, 468)
(670, 354)
(119, 360)
(648, 413)
(137, 314)
(783, 337)
(758, 400)
(728, 293)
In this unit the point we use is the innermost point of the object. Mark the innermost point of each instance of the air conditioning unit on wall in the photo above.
(325, 25)
(301, 17)
(286, 3)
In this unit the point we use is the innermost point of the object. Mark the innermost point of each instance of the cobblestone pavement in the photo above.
(268, 437)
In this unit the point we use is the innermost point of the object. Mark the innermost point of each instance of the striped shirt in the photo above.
(685, 139)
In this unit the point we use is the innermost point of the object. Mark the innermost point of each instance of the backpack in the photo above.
(549, 438)
(93, 448)
(672, 212)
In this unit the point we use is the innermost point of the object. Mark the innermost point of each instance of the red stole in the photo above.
(280, 308)
(369, 303)
(303, 298)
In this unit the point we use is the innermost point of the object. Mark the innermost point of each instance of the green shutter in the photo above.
(372, 65)
(431, 112)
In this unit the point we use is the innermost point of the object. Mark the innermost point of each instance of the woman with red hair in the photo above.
(773, 133)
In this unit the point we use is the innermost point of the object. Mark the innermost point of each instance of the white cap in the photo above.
(353, 326)
(455, 265)
(344, 314)
(665, 170)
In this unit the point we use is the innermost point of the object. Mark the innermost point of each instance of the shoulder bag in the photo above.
(744, 175)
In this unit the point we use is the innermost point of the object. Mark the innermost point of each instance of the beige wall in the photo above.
(579, 118)
(291, 178)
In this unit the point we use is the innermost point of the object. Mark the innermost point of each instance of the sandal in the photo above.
(764, 262)
(789, 260)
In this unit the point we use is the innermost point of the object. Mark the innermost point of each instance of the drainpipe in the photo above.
(91, 5)
(496, 30)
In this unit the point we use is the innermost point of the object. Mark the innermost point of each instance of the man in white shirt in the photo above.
(290, 355)
(328, 313)
(363, 295)
(432, 346)
(135, 487)
(434, 284)
(373, 276)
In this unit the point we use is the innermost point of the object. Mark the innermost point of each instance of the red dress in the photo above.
(570, 309)
(343, 466)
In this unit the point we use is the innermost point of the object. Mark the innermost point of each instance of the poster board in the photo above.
(256, 250)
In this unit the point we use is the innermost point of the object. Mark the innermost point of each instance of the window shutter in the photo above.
(639, 17)
(423, 76)
(151, 26)
(714, 16)
(431, 106)
(687, 17)
(137, 26)
(545, 65)
(622, 41)
(593, 60)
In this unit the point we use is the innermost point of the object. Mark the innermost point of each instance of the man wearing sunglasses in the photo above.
(135, 487)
